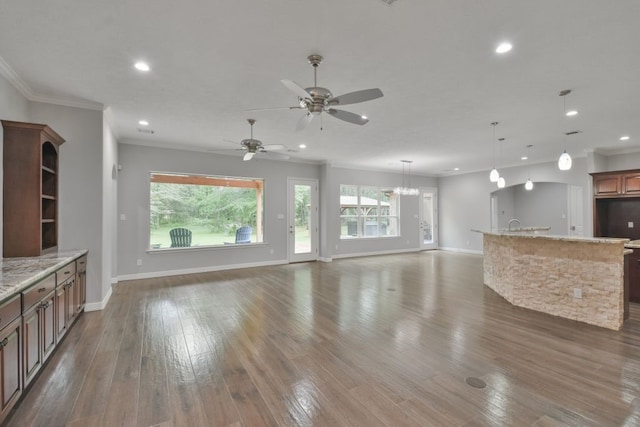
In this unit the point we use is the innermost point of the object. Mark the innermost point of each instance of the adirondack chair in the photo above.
(180, 237)
(243, 234)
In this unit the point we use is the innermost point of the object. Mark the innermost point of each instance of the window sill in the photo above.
(154, 251)
(368, 237)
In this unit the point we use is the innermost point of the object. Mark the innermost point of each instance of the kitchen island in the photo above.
(572, 277)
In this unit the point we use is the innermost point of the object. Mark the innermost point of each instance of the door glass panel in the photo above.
(427, 218)
(302, 237)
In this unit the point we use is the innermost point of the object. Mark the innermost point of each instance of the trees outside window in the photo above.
(211, 207)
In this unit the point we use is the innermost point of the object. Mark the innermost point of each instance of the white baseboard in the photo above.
(155, 274)
(325, 259)
(391, 252)
(114, 280)
(97, 306)
(464, 251)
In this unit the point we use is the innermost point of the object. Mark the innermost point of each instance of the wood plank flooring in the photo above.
(372, 341)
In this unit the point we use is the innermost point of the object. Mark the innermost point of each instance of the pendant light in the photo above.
(406, 190)
(529, 184)
(494, 175)
(564, 162)
(501, 181)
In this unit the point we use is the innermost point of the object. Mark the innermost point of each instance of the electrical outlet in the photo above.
(139, 262)
(630, 224)
(123, 217)
(577, 293)
(271, 251)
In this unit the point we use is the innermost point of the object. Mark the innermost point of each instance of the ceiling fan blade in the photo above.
(296, 88)
(304, 121)
(248, 156)
(355, 97)
(356, 119)
(280, 156)
(273, 147)
(269, 109)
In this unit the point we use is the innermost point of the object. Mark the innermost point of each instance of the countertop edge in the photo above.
(58, 260)
(605, 240)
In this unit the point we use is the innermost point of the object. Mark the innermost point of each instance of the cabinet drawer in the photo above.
(38, 291)
(81, 263)
(65, 273)
(9, 311)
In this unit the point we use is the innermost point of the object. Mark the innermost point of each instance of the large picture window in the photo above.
(368, 212)
(202, 210)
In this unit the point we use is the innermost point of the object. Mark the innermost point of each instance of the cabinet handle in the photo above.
(66, 272)
(5, 342)
(42, 289)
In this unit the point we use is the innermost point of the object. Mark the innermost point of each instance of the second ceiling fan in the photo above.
(317, 100)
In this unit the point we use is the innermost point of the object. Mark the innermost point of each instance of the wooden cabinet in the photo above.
(616, 184)
(65, 311)
(616, 204)
(10, 354)
(81, 283)
(30, 189)
(634, 275)
(38, 326)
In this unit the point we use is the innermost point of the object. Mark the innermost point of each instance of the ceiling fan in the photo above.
(317, 99)
(251, 147)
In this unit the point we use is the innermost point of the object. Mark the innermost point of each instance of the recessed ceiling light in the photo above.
(572, 113)
(504, 47)
(523, 158)
(143, 123)
(302, 146)
(624, 138)
(142, 66)
(456, 169)
(364, 117)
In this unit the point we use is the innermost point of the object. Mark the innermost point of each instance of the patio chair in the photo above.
(180, 237)
(243, 235)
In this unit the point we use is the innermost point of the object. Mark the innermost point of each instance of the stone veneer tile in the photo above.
(541, 274)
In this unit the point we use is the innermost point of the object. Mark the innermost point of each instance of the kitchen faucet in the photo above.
(511, 221)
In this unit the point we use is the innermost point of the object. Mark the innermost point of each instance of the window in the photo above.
(368, 212)
(211, 208)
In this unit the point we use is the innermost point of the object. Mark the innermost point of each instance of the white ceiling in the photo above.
(434, 61)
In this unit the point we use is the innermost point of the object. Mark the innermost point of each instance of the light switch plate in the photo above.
(630, 224)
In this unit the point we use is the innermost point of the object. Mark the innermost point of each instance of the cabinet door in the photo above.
(31, 343)
(606, 185)
(48, 317)
(632, 183)
(72, 305)
(10, 365)
(61, 311)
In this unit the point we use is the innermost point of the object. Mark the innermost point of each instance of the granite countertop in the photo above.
(523, 229)
(634, 244)
(20, 273)
(606, 240)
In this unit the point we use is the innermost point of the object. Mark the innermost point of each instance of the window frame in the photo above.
(362, 212)
(222, 181)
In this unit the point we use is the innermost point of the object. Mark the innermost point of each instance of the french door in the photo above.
(302, 219)
(428, 218)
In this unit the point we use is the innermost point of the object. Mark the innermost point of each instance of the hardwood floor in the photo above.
(371, 341)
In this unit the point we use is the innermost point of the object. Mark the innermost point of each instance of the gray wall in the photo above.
(409, 208)
(13, 106)
(465, 200)
(80, 186)
(546, 205)
(133, 202)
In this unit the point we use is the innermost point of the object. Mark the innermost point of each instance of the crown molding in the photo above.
(9, 73)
